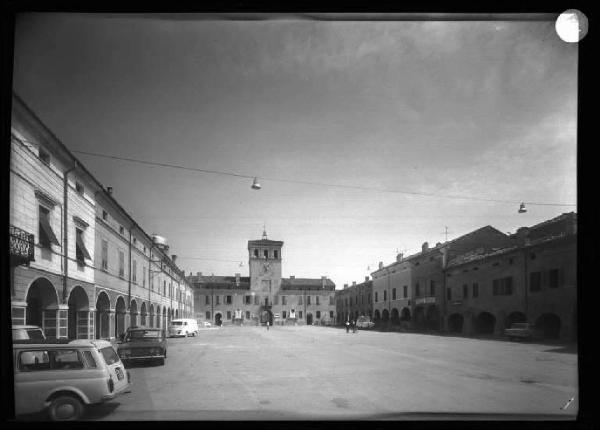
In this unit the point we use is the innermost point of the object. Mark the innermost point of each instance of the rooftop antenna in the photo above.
(446, 233)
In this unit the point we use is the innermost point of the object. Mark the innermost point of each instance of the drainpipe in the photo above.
(65, 231)
(129, 277)
(526, 283)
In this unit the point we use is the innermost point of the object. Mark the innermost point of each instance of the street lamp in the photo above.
(255, 185)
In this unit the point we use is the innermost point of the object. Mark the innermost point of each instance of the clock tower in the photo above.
(264, 262)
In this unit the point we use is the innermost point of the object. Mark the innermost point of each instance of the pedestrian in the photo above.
(267, 325)
(347, 326)
(354, 326)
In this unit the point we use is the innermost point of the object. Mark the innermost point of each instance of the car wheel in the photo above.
(65, 408)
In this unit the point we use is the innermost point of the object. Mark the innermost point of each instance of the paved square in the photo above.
(326, 373)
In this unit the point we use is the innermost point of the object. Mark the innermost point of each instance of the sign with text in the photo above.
(424, 300)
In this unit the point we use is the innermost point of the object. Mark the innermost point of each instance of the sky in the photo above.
(484, 110)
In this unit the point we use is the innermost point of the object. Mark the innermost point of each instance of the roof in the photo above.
(265, 242)
(562, 217)
(226, 282)
(306, 284)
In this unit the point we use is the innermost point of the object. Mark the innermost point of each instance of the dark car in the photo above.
(143, 344)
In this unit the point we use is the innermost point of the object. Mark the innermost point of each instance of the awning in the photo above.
(45, 225)
(82, 248)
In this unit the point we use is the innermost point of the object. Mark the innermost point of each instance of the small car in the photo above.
(183, 327)
(62, 378)
(206, 324)
(143, 344)
(364, 322)
(27, 332)
(524, 330)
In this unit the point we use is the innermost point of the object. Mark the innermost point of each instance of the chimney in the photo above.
(174, 258)
(198, 274)
(353, 283)
(237, 279)
(109, 190)
(366, 278)
(292, 276)
(399, 257)
(437, 245)
(381, 264)
(323, 279)
(425, 247)
(345, 286)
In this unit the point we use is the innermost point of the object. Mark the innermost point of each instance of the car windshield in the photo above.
(143, 334)
(109, 354)
(177, 323)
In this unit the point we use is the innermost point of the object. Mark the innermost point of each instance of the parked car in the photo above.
(27, 332)
(526, 331)
(364, 322)
(143, 344)
(63, 378)
(183, 327)
(206, 324)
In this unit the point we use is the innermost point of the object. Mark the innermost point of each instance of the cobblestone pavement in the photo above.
(249, 373)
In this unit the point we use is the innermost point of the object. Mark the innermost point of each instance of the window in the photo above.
(502, 287)
(318, 314)
(308, 300)
(331, 300)
(218, 301)
(275, 254)
(256, 253)
(369, 299)
(510, 261)
(376, 297)
(228, 300)
(44, 156)
(283, 314)
(299, 300)
(384, 295)
(266, 253)
(317, 299)
(45, 234)
(276, 300)
(121, 264)
(465, 291)
(346, 301)
(475, 290)
(300, 314)
(283, 300)
(331, 314)
(405, 291)
(104, 255)
(256, 300)
(393, 294)
(134, 270)
(208, 315)
(89, 359)
(228, 315)
(449, 294)
(248, 300)
(164, 288)
(553, 278)
(247, 315)
(121, 229)
(535, 281)
(79, 187)
(417, 292)
(143, 276)
(81, 252)
(432, 288)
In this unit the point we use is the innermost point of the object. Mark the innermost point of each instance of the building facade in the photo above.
(263, 296)
(72, 245)
(392, 293)
(534, 280)
(354, 301)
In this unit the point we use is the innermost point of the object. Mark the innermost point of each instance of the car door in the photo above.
(116, 368)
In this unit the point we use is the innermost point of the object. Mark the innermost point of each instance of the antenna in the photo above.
(446, 233)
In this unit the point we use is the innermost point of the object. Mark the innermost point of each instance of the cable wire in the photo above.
(324, 184)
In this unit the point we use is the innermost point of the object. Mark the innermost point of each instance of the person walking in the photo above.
(347, 326)
(267, 325)
(354, 326)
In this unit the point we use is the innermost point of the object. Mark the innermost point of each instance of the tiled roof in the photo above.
(478, 254)
(219, 281)
(559, 218)
(306, 284)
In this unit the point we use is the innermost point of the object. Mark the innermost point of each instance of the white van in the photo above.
(183, 327)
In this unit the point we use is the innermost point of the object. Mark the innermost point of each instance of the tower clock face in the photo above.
(266, 267)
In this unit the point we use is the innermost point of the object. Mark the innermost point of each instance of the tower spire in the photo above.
(264, 232)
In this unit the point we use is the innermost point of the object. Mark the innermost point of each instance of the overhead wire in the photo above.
(324, 184)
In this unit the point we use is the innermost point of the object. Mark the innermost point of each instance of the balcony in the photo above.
(21, 245)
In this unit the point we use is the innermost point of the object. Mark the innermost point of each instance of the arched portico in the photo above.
(158, 317)
(151, 318)
(103, 316)
(78, 314)
(143, 315)
(549, 324)
(395, 316)
(455, 323)
(484, 323)
(120, 313)
(405, 314)
(385, 315)
(133, 313)
(42, 306)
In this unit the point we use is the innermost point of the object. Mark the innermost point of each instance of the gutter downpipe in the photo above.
(65, 231)
(129, 277)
